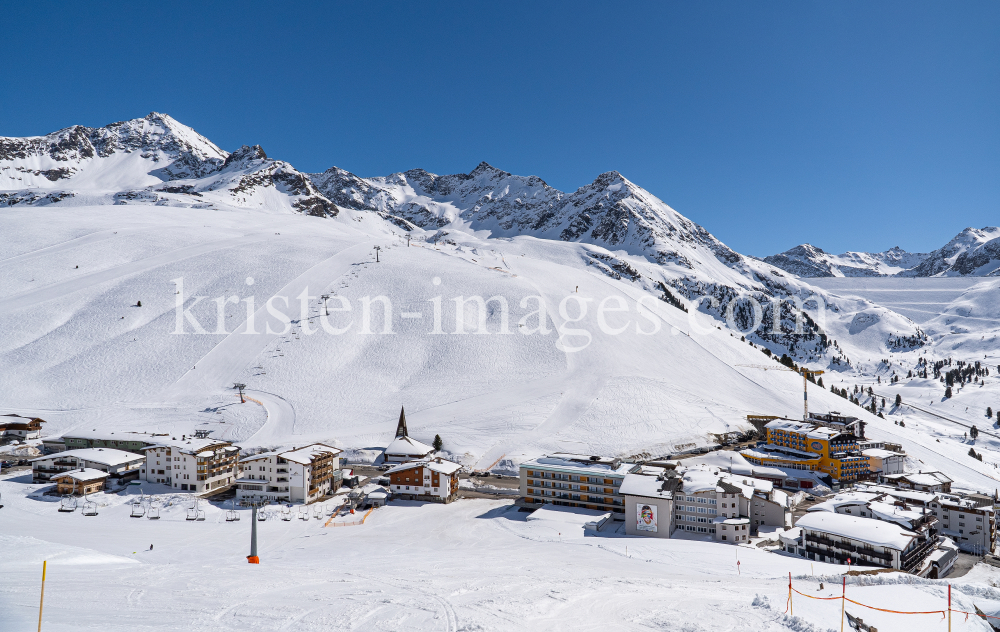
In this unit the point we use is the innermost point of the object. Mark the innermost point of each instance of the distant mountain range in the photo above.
(973, 252)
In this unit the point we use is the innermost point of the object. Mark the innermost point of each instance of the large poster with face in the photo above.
(645, 517)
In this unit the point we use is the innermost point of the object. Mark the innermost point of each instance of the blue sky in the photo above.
(849, 125)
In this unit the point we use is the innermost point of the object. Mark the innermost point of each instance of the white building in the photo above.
(834, 538)
(702, 501)
(299, 475)
(972, 526)
(117, 463)
(192, 465)
(884, 462)
(432, 479)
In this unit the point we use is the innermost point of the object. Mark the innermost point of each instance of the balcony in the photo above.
(912, 559)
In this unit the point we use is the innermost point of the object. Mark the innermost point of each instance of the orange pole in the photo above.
(843, 605)
(791, 609)
(41, 601)
(949, 607)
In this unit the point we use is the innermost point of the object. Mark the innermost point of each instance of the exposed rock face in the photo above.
(611, 211)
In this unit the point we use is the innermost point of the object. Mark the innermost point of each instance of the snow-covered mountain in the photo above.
(973, 252)
(153, 160)
(808, 261)
(626, 232)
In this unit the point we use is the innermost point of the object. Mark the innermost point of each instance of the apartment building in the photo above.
(191, 464)
(121, 465)
(969, 521)
(799, 445)
(299, 475)
(575, 480)
(434, 479)
(835, 538)
(971, 525)
(701, 501)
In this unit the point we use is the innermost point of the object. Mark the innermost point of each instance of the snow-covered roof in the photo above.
(104, 456)
(304, 456)
(879, 453)
(929, 479)
(876, 532)
(407, 446)
(812, 431)
(646, 486)
(906, 494)
(775, 452)
(564, 462)
(442, 466)
(83, 475)
(189, 445)
(846, 498)
(571, 515)
(894, 513)
(790, 536)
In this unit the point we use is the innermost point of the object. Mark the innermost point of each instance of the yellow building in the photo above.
(837, 451)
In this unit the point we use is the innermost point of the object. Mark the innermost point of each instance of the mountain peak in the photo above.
(245, 154)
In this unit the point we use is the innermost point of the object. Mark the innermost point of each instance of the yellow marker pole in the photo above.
(41, 601)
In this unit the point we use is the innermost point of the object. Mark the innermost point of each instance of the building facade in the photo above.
(799, 445)
(80, 482)
(575, 480)
(836, 538)
(122, 466)
(433, 479)
(192, 465)
(300, 475)
(17, 428)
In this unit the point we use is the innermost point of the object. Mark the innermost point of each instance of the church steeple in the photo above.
(401, 427)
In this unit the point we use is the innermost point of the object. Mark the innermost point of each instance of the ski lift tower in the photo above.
(254, 504)
(377, 249)
(804, 372)
(326, 308)
(240, 386)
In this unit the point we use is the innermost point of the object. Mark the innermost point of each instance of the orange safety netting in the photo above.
(943, 613)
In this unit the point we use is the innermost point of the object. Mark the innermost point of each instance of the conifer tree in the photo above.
(438, 443)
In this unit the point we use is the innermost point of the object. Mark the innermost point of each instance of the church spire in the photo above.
(401, 428)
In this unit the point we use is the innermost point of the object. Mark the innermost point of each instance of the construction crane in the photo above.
(805, 381)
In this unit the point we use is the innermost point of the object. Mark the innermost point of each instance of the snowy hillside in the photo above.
(609, 322)
(809, 261)
(973, 252)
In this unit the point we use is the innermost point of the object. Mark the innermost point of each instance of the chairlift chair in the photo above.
(67, 504)
(153, 513)
(303, 513)
(232, 515)
(201, 515)
(318, 512)
(89, 508)
(138, 510)
(261, 516)
(192, 512)
(286, 513)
